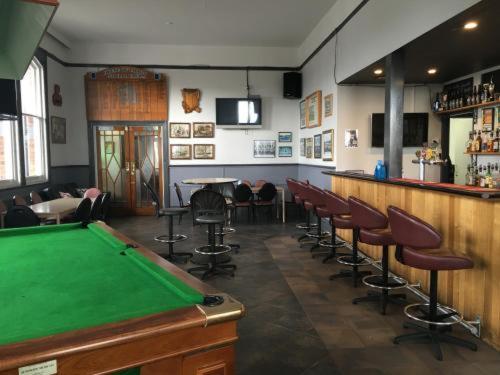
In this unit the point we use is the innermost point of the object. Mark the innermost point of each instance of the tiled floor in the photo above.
(299, 322)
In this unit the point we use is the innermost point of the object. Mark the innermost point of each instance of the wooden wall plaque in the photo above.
(126, 93)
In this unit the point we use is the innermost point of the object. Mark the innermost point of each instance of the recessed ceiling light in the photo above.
(470, 25)
(169, 23)
(432, 71)
(378, 71)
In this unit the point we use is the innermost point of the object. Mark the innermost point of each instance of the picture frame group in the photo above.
(188, 152)
(199, 130)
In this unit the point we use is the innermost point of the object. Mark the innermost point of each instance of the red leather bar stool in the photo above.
(419, 246)
(337, 209)
(315, 200)
(373, 230)
(292, 188)
(302, 197)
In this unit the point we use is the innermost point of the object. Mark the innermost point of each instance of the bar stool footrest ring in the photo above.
(445, 314)
(376, 281)
(313, 234)
(348, 260)
(175, 238)
(208, 249)
(305, 226)
(326, 243)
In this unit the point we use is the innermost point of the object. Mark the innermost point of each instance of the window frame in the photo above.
(16, 181)
(44, 177)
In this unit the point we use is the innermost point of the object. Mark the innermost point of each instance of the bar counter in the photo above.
(469, 222)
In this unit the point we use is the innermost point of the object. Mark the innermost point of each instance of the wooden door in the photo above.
(128, 156)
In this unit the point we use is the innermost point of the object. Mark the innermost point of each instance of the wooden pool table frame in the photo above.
(188, 341)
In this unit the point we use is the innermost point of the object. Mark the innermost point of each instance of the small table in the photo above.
(281, 192)
(57, 208)
(209, 180)
(93, 301)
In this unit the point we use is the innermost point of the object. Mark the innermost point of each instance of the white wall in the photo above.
(232, 146)
(318, 75)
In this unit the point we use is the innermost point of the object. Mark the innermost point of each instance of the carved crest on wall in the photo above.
(191, 100)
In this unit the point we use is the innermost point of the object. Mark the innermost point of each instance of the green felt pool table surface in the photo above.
(60, 278)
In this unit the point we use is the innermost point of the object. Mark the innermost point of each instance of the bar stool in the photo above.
(314, 199)
(337, 209)
(419, 246)
(300, 198)
(170, 238)
(373, 230)
(212, 249)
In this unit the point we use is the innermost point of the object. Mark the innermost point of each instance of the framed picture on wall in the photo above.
(303, 114)
(309, 148)
(329, 105)
(203, 130)
(58, 130)
(264, 149)
(351, 138)
(313, 110)
(180, 152)
(180, 130)
(488, 119)
(302, 147)
(328, 145)
(285, 151)
(204, 151)
(317, 146)
(285, 137)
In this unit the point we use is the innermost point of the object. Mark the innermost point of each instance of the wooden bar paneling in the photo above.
(468, 225)
(126, 93)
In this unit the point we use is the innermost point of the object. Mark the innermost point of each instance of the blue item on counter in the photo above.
(380, 172)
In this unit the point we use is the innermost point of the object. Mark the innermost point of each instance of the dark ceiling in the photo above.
(454, 51)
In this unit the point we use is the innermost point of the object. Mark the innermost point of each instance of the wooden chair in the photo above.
(18, 200)
(21, 216)
(260, 183)
(246, 182)
(35, 198)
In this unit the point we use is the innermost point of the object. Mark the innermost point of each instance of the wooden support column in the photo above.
(393, 126)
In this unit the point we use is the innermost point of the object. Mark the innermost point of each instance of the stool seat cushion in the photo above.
(263, 203)
(342, 221)
(173, 211)
(441, 259)
(377, 237)
(322, 211)
(242, 204)
(210, 219)
(308, 205)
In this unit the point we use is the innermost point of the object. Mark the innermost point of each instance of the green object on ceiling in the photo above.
(22, 25)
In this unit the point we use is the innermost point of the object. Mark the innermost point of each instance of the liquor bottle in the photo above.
(446, 104)
(437, 104)
(477, 147)
(496, 178)
(468, 175)
(478, 94)
(461, 98)
(482, 180)
(484, 144)
(489, 142)
(469, 97)
(496, 141)
(488, 178)
(474, 93)
(470, 141)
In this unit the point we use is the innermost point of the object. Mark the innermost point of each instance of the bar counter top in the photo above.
(470, 191)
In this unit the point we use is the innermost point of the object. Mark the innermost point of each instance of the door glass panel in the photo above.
(146, 164)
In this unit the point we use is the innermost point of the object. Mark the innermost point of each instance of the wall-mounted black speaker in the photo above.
(292, 85)
(8, 98)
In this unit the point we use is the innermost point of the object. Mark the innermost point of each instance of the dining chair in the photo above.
(18, 200)
(35, 198)
(260, 183)
(21, 216)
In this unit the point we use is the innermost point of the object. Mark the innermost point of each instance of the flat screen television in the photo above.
(415, 128)
(238, 113)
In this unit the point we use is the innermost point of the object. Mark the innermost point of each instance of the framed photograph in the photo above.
(264, 149)
(351, 138)
(203, 130)
(285, 137)
(313, 110)
(309, 148)
(302, 147)
(317, 146)
(204, 151)
(329, 105)
(488, 119)
(328, 145)
(180, 152)
(285, 151)
(180, 130)
(58, 130)
(303, 114)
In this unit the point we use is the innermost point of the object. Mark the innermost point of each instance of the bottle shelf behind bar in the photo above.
(482, 153)
(467, 107)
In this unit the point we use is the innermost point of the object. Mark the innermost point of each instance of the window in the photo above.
(33, 120)
(9, 161)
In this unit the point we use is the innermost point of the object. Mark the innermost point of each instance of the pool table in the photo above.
(79, 299)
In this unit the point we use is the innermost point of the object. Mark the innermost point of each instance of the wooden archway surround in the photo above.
(126, 107)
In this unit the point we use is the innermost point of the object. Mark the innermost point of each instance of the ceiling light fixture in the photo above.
(432, 71)
(378, 71)
(470, 25)
(169, 23)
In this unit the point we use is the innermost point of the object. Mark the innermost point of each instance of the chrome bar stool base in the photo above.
(333, 246)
